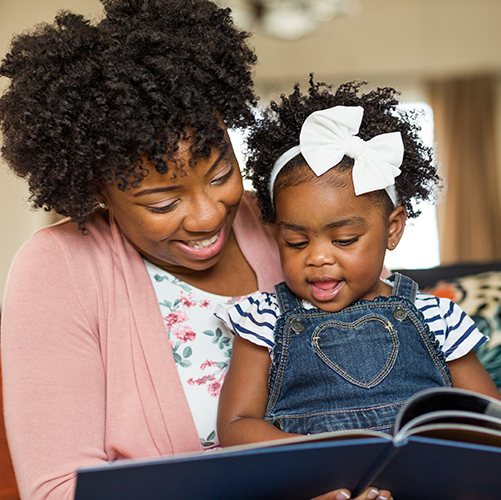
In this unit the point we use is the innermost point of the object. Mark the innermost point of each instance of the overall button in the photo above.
(297, 326)
(399, 314)
(277, 424)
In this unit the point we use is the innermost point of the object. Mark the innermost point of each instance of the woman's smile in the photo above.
(202, 249)
(181, 220)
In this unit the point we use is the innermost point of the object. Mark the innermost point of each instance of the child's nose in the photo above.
(321, 254)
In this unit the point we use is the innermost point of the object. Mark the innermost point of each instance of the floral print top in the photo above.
(201, 345)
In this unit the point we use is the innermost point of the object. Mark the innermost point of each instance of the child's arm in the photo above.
(468, 373)
(244, 396)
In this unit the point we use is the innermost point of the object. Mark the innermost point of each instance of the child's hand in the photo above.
(368, 494)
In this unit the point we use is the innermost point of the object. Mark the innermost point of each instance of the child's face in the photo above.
(332, 243)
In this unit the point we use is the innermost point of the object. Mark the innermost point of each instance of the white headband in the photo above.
(329, 134)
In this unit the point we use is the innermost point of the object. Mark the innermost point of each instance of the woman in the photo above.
(122, 127)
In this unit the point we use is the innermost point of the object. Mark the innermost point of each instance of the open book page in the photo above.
(448, 414)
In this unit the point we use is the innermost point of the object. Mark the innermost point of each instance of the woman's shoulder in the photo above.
(63, 245)
(65, 235)
(248, 210)
(257, 242)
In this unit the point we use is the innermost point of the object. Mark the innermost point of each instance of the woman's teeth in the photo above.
(203, 243)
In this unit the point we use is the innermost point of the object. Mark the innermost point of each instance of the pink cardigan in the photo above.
(88, 371)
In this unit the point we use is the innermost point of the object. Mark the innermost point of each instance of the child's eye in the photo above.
(225, 177)
(301, 244)
(345, 243)
(164, 209)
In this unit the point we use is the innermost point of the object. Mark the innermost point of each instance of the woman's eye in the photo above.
(163, 209)
(345, 243)
(224, 177)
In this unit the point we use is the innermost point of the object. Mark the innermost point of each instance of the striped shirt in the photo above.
(254, 319)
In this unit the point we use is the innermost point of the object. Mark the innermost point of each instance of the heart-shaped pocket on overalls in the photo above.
(363, 352)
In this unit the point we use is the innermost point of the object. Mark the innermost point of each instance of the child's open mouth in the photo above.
(324, 290)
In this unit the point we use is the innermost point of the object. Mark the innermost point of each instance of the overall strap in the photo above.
(404, 287)
(287, 301)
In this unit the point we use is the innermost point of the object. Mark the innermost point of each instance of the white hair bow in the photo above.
(328, 135)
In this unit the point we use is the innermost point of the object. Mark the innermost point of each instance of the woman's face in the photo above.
(181, 221)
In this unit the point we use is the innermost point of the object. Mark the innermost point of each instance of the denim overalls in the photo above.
(352, 369)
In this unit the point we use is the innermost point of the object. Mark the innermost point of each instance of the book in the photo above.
(446, 443)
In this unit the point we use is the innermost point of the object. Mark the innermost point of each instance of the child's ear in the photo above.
(396, 226)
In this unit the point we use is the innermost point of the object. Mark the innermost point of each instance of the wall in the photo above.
(401, 43)
(391, 42)
(17, 220)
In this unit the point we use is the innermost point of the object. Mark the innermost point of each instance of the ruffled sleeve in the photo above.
(455, 331)
(253, 318)
(462, 333)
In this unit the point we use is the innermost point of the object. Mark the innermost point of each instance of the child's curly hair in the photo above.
(278, 131)
(86, 100)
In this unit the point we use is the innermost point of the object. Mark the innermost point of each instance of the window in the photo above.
(419, 247)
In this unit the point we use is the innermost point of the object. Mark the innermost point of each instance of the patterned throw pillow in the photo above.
(479, 295)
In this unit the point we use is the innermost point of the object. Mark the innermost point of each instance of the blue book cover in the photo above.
(446, 444)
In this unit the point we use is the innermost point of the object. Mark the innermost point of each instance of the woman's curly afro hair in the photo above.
(279, 128)
(86, 100)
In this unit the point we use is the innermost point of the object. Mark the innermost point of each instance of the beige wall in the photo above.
(392, 42)
(396, 42)
(17, 220)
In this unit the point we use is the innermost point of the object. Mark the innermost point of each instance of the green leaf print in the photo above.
(159, 278)
(181, 359)
(209, 441)
(169, 305)
(181, 284)
(220, 340)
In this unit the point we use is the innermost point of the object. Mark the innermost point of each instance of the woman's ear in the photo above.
(102, 200)
(396, 226)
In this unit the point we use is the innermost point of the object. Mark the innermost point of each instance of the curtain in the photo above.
(469, 211)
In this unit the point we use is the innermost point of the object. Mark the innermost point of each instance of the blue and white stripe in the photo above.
(255, 317)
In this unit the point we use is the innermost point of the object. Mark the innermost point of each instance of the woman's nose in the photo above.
(205, 214)
(320, 254)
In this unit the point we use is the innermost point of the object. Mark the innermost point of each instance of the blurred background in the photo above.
(443, 55)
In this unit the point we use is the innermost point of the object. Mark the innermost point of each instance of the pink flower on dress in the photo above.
(199, 381)
(175, 317)
(206, 364)
(214, 387)
(186, 301)
(183, 333)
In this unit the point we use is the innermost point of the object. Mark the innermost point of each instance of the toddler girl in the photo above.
(337, 347)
